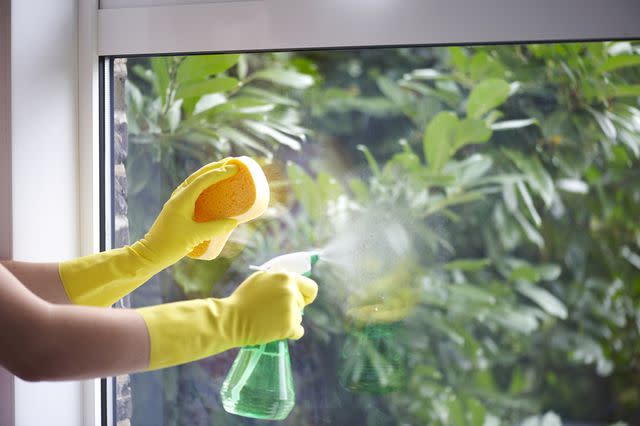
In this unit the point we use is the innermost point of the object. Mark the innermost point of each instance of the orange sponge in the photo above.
(242, 197)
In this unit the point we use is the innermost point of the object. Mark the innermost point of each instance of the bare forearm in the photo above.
(42, 341)
(87, 342)
(42, 279)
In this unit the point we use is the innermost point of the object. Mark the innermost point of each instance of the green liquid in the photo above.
(260, 382)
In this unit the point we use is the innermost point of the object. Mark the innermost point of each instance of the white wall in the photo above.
(44, 169)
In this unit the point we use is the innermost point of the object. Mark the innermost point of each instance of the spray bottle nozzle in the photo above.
(299, 262)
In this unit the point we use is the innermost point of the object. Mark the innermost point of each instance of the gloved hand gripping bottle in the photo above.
(260, 382)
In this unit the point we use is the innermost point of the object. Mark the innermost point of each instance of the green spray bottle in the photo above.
(260, 382)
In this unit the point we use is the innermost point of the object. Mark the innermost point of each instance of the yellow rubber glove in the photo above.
(103, 278)
(267, 306)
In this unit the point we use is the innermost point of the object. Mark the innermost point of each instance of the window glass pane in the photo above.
(476, 208)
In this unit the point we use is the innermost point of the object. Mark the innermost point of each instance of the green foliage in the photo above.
(487, 95)
(286, 78)
(446, 134)
(513, 171)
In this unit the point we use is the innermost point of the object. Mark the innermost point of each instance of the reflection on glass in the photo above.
(372, 359)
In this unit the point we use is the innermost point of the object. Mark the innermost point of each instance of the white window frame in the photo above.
(26, 29)
(96, 394)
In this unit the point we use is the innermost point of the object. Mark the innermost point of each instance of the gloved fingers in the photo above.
(308, 288)
(299, 299)
(298, 332)
(193, 176)
(216, 233)
(191, 192)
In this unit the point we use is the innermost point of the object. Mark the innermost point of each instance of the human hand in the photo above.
(267, 306)
(174, 234)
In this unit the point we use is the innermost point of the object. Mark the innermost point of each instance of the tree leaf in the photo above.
(196, 88)
(240, 106)
(510, 196)
(456, 415)
(263, 129)
(470, 169)
(174, 115)
(614, 49)
(394, 92)
(619, 61)
(472, 293)
(270, 96)
(549, 271)
(631, 140)
(453, 200)
(436, 322)
(305, 190)
(426, 74)
(161, 76)
(605, 123)
(493, 116)
(529, 230)
(522, 270)
(549, 419)
(520, 321)
(402, 163)
(632, 257)
(286, 78)
(543, 298)
(524, 193)
(199, 67)
(535, 173)
(439, 139)
(486, 96)
(576, 186)
(329, 187)
(467, 264)
(469, 131)
(244, 140)
(458, 58)
(483, 66)
(209, 101)
(513, 124)
(519, 382)
(626, 90)
(373, 164)
(475, 412)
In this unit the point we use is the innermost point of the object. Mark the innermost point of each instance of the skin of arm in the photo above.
(43, 341)
(43, 279)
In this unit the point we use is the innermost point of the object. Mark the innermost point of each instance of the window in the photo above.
(476, 209)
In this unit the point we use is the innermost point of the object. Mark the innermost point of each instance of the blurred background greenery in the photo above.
(508, 173)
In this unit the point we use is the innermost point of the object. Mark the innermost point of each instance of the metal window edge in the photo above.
(88, 168)
(7, 396)
(309, 24)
